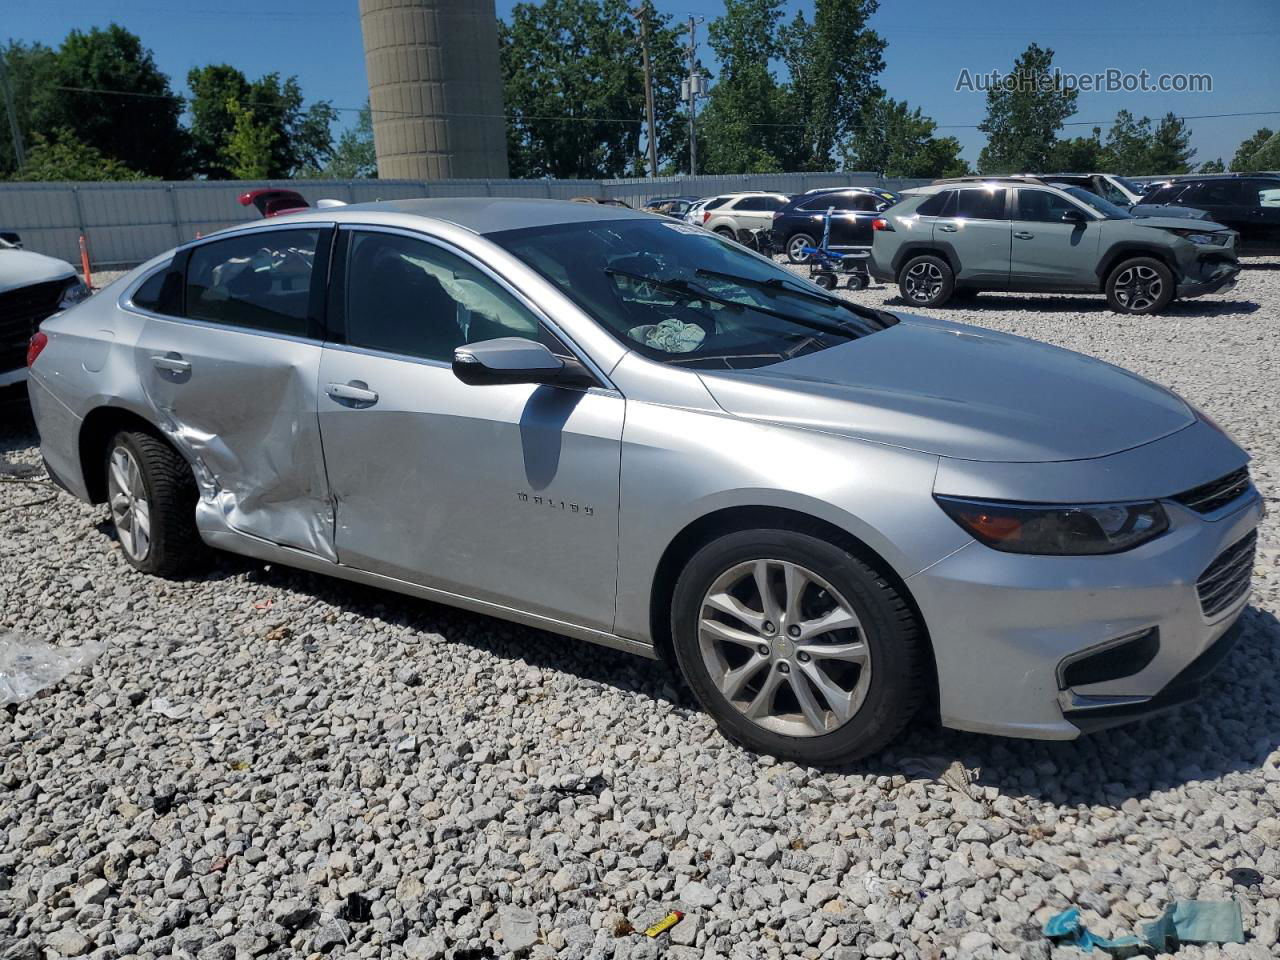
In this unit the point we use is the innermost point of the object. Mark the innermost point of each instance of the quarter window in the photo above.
(1041, 206)
(259, 280)
(161, 292)
(413, 298)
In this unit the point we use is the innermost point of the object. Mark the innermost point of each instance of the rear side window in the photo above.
(161, 292)
(717, 202)
(258, 280)
(980, 204)
(844, 202)
(1214, 192)
(934, 206)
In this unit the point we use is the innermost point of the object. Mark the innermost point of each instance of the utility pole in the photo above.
(19, 155)
(642, 12)
(694, 85)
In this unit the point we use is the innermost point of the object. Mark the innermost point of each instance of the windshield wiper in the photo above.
(690, 291)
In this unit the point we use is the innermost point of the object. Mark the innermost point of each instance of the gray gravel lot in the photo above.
(269, 763)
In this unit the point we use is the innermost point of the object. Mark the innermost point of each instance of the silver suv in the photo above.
(1026, 235)
(623, 429)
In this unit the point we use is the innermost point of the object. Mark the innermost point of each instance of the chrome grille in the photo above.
(1209, 497)
(1226, 580)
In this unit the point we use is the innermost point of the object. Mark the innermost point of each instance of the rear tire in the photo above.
(926, 281)
(826, 281)
(152, 496)
(727, 233)
(838, 675)
(1140, 286)
(795, 244)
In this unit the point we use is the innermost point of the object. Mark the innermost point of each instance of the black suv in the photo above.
(799, 224)
(1248, 203)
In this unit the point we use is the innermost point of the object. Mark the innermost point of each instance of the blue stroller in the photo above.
(826, 266)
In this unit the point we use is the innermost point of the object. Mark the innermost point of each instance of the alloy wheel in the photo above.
(784, 648)
(1138, 287)
(795, 249)
(923, 282)
(130, 509)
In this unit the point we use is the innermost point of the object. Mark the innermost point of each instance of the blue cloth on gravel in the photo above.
(1184, 921)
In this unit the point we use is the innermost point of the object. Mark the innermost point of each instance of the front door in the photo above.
(232, 378)
(1049, 253)
(506, 494)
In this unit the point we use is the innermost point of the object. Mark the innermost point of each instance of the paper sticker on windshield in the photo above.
(686, 228)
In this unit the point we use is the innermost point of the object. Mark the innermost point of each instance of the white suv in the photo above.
(731, 212)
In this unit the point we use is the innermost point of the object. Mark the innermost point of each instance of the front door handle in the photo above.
(1023, 235)
(948, 227)
(353, 393)
(171, 362)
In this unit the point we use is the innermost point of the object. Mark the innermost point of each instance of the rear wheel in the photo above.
(726, 232)
(827, 281)
(795, 247)
(1140, 286)
(796, 647)
(926, 281)
(152, 497)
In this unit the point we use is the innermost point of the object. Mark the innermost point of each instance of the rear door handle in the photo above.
(1023, 235)
(171, 362)
(948, 227)
(354, 393)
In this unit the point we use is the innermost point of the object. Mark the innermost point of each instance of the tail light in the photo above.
(38, 342)
(880, 223)
(706, 215)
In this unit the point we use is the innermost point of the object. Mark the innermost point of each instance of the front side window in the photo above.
(416, 299)
(1214, 192)
(982, 203)
(260, 280)
(1041, 206)
(681, 295)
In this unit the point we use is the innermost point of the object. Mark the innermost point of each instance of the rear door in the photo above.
(506, 494)
(232, 380)
(1048, 253)
(975, 224)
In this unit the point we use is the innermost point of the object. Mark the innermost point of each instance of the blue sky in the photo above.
(930, 42)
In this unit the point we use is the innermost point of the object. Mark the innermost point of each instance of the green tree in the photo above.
(250, 148)
(354, 155)
(302, 136)
(1259, 152)
(749, 124)
(897, 141)
(1213, 166)
(1171, 150)
(1079, 154)
(573, 82)
(1129, 144)
(1024, 115)
(29, 70)
(63, 157)
(106, 88)
(833, 62)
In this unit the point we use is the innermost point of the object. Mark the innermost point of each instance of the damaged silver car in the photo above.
(627, 430)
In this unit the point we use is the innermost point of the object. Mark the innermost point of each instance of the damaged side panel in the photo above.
(242, 407)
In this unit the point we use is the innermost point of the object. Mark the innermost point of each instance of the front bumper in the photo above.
(1209, 275)
(1003, 625)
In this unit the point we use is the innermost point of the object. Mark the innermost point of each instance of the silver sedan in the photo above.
(627, 430)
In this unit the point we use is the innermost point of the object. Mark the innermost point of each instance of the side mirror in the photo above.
(516, 360)
(1072, 215)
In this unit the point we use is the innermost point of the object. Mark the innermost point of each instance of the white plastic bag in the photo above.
(28, 666)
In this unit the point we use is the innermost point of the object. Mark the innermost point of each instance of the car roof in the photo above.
(1188, 177)
(478, 214)
(988, 183)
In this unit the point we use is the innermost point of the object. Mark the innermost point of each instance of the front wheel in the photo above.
(152, 497)
(1140, 286)
(926, 281)
(796, 647)
(796, 245)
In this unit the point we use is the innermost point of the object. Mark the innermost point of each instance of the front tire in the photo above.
(797, 647)
(926, 281)
(795, 247)
(152, 497)
(1142, 285)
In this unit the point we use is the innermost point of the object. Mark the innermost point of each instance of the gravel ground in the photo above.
(269, 763)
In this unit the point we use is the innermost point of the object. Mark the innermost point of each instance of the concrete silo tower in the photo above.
(435, 88)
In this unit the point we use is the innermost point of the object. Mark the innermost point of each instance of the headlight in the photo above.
(1209, 239)
(1058, 530)
(74, 292)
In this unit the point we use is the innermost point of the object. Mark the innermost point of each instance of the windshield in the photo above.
(1131, 186)
(682, 295)
(1104, 207)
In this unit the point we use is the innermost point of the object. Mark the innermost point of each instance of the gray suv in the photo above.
(1028, 235)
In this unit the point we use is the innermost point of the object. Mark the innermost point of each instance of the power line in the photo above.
(529, 116)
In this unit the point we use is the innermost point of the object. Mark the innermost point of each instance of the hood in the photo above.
(1145, 210)
(1163, 222)
(22, 268)
(958, 391)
